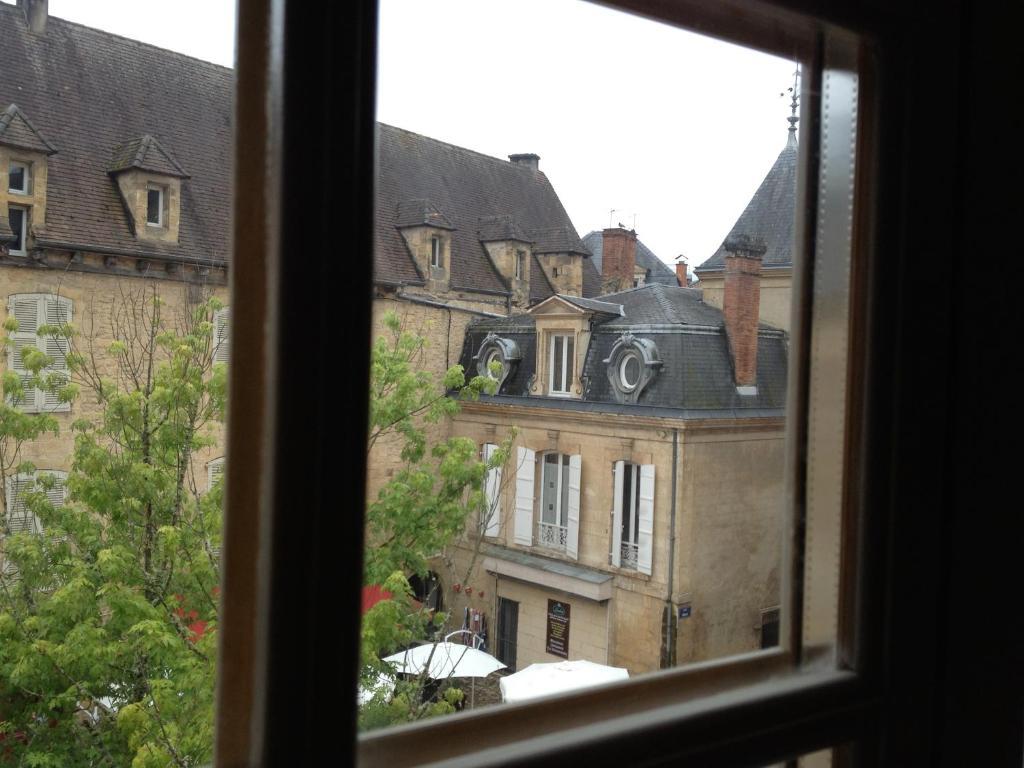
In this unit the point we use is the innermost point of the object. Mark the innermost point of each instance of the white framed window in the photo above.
(17, 216)
(32, 311)
(520, 267)
(630, 368)
(435, 252)
(154, 205)
(561, 360)
(221, 336)
(633, 516)
(558, 515)
(19, 178)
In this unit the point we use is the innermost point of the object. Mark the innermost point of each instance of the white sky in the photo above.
(673, 128)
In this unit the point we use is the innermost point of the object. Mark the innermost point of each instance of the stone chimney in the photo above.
(618, 259)
(741, 306)
(36, 12)
(527, 160)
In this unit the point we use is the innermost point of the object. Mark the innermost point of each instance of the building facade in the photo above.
(115, 187)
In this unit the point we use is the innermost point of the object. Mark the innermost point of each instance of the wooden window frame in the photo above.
(161, 197)
(902, 699)
(27, 168)
(20, 249)
(567, 360)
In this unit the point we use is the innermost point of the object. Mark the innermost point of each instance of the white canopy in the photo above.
(384, 684)
(557, 677)
(448, 660)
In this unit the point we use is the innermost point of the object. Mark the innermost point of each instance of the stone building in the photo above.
(643, 496)
(114, 181)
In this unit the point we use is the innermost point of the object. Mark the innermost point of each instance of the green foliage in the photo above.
(108, 626)
(434, 491)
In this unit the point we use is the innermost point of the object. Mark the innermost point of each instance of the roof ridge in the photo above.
(77, 24)
(504, 163)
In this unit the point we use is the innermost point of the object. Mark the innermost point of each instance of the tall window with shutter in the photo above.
(34, 311)
(558, 515)
(633, 516)
(221, 336)
(19, 518)
(490, 520)
(214, 471)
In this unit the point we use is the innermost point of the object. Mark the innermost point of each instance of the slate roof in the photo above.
(91, 94)
(146, 154)
(769, 215)
(478, 195)
(658, 271)
(696, 376)
(16, 130)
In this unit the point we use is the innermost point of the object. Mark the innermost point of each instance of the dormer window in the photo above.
(154, 205)
(561, 363)
(435, 252)
(18, 178)
(18, 219)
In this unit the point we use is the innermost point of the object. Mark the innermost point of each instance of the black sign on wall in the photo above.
(558, 629)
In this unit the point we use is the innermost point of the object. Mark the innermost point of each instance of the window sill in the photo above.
(668, 705)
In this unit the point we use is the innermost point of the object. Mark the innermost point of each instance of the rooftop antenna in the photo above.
(634, 222)
(611, 214)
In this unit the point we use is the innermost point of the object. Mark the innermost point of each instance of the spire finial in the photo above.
(793, 119)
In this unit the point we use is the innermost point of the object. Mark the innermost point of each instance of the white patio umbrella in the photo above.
(557, 677)
(446, 660)
(384, 684)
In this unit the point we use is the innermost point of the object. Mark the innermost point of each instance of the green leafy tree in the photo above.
(108, 618)
(433, 500)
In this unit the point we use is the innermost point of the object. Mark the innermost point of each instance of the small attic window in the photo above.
(154, 205)
(435, 251)
(520, 264)
(18, 178)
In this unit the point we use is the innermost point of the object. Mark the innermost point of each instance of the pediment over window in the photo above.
(17, 131)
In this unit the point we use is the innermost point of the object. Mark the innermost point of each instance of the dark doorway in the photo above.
(508, 628)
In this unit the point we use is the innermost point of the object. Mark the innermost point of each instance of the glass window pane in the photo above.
(18, 178)
(558, 356)
(153, 206)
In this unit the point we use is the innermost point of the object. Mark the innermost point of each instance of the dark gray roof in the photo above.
(16, 130)
(594, 305)
(657, 270)
(420, 212)
(769, 216)
(470, 190)
(493, 228)
(695, 379)
(146, 154)
(660, 304)
(88, 93)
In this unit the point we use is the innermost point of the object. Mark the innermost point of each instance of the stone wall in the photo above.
(94, 297)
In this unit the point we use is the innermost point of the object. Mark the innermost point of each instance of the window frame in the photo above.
(568, 362)
(25, 190)
(161, 198)
(562, 492)
(436, 250)
(20, 248)
(279, 675)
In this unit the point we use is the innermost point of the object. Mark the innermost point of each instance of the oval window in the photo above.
(629, 371)
(494, 356)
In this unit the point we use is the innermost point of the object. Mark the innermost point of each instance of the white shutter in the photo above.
(221, 336)
(25, 309)
(618, 475)
(572, 537)
(525, 466)
(19, 518)
(57, 494)
(492, 495)
(645, 524)
(57, 311)
(214, 472)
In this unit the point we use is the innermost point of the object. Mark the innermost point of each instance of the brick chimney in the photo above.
(618, 259)
(36, 12)
(741, 305)
(528, 160)
(681, 270)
